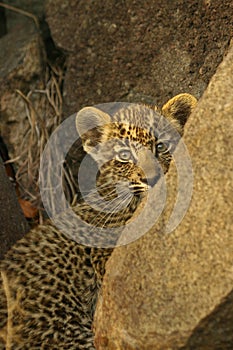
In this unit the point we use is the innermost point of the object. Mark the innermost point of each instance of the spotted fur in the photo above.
(49, 283)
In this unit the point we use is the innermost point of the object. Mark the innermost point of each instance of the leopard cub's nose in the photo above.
(150, 181)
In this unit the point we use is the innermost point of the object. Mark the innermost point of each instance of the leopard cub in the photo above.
(49, 283)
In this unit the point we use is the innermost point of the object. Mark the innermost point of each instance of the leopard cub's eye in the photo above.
(162, 147)
(124, 155)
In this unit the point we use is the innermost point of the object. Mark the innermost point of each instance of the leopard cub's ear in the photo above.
(89, 124)
(179, 107)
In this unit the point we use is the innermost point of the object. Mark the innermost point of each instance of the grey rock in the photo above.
(123, 51)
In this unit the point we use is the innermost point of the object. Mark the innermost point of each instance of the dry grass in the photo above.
(43, 110)
(21, 12)
(40, 124)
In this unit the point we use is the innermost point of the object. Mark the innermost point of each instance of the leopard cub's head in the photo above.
(134, 146)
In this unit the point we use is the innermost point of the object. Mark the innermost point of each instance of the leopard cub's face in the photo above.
(134, 146)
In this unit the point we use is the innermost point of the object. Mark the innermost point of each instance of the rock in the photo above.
(123, 51)
(13, 225)
(175, 291)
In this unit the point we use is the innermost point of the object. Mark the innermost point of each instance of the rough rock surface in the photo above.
(126, 51)
(174, 291)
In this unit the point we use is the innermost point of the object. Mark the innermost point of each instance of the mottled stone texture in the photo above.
(138, 51)
(174, 291)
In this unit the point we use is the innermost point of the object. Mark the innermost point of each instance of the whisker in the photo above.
(109, 216)
(122, 204)
(97, 188)
(95, 195)
(119, 203)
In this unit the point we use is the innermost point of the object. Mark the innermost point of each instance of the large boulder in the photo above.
(175, 291)
(129, 51)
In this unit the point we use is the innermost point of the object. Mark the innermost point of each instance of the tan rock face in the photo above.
(174, 291)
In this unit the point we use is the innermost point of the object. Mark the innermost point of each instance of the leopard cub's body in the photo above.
(49, 283)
